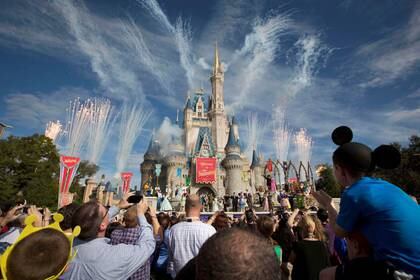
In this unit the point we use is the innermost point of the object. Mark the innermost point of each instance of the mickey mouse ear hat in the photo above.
(360, 157)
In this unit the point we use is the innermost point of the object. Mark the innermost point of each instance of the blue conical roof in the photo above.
(255, 160)
(231, 140)
(189, 104)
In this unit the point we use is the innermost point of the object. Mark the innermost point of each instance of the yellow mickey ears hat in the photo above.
(30, 229)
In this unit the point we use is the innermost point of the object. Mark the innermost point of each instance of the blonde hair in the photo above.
(312, 227)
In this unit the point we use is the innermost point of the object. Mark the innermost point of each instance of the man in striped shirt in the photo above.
(186, 238)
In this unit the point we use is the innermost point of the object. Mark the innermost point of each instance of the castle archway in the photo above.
(206, 190)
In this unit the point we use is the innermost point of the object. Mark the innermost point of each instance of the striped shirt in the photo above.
(185, 240)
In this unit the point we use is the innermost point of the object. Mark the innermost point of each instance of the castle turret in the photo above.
(147, 166)
(233, 164)
(175, 162)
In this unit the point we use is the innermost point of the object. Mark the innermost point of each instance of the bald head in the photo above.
(193, 205)
(237, 254)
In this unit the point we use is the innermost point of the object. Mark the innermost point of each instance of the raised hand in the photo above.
(123, 204)
(323, 198)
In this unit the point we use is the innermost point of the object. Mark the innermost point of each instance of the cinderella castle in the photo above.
(207, 158)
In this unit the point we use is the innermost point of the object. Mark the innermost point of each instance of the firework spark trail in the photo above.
(262, 44)
(181, 32)
(256, 129)
(133, 38)
(309, 55)
(100, 123)
(77, 126)
(133, 118)
(53, 130)
(281, 134)
(303, 144)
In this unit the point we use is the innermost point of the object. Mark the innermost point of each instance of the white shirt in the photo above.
(185, 240)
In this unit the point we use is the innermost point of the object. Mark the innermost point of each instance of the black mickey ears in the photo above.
(342, 135)
(386, 157)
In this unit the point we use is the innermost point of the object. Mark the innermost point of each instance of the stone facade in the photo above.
(206, 133)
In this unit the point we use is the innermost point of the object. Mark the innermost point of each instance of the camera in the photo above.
(136, 198)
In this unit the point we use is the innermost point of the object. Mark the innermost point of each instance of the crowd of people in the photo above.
(375, 235)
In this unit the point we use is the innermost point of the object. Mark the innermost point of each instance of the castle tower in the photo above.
(257, 170)
(233, 165)
(175, 163)
(219, 125)
(147, 166)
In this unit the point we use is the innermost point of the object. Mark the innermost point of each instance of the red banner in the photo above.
(68, 168)
(126, 178)
(269, 165)
(205, 170)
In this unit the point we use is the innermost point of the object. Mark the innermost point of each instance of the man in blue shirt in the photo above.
(96, 258)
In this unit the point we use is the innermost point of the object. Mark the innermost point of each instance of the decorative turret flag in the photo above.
(68, 168)
(126, 178)
(269, 165)
(158, 169)
(179, 172)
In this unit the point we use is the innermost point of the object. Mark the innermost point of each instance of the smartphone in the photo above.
(136, 198)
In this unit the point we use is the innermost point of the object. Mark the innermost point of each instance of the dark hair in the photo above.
(221, 222)
(130, 217)
(322, 215)
(265, 226)
(67, 212)
(234, 254)
(358, 158)
(89, 219)
(164, 220)
(40, 255)
(111, 227)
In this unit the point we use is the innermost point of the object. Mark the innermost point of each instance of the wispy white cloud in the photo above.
(394, 57)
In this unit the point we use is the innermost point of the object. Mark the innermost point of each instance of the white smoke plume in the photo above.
(260, 49)
(182, 36)
(256, 129)
(134, 40)
(100, 124)
(311, 55)
(77, 126)
(281, 134)
(133, 118)
(167, 134)
(53, 130)
(110, 65)
(303, 143)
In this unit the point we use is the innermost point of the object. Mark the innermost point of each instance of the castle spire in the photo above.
(216, 63)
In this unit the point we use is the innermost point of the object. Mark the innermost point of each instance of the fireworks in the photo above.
(53, 130)
(133, 118)
(303, 144)
(281, 134)
(255, 132)
(77, 127)
(100, 123)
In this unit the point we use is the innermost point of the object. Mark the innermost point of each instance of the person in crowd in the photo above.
(337, 246)
(111, 227)
(250, 201)
(68, 212)
(310, 255)
(361, 265)
(96, 258)
(186, 238)
(129, 235)
(385, 214)
(235, 254)
(248, 221)
(220, 221)
(235, 202)
(160, 262)
(40, 252)
(267, 226)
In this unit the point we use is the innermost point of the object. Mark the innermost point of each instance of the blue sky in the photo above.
(326, 63)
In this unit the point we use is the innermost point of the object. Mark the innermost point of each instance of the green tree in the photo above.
(326, 181)
(29, 165)
(407, 175)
